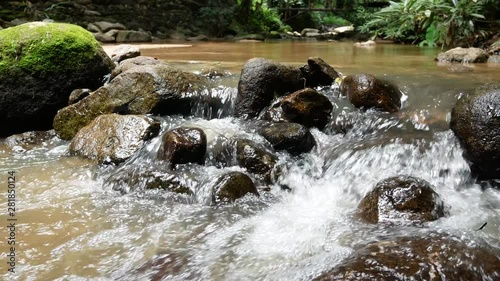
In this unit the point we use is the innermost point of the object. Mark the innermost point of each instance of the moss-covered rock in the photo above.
(157, 89)
(40, 64)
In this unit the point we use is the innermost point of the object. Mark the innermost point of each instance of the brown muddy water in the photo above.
(71, 225)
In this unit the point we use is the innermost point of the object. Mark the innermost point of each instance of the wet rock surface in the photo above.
(401, 200)
(255, 159)
(260, 82)
(307, 107)
(475, 120)
(232, 186)
(113, 138)
(292, 137)
(78, 95)
(434, 257)
(183, 145)
(367, 91)
(29, 139)
(318, 73)
(124, 52)
(35, 82)
(157, 89)
(463, 55)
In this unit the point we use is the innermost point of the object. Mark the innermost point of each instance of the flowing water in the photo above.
(72, 225)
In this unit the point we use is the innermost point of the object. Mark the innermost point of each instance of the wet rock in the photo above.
(369, 43)
(475, 120)
(104, 38)
(183, 145)
(156, 89)
(306, 31)
(463, 55)
(307, 107)
(292, 137)
(78, 95)
(131, 179)
(113, 138)
(401, 200)
(367, 91)
(260, 81)
(256, 159)
(318, 73)
(129, 36)
(232, 186)
(123, 52)
(434, 257)
(344, 30)
(27, 140)
(35, 82)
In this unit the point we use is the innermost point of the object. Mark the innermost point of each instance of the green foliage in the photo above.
(215, 18)
(265, 20)
(430, 22)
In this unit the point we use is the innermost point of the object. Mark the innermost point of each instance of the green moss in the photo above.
(40, 48)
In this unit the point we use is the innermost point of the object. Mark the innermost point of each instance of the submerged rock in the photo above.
(113, 138)
(434, 257)
(29, 139)
(40, 64)
(260, 82)
(307, 107)
(157, 89)
(292, 137)
(318, 73)
(475, 120)
(401, 200)
(463, 55)
(183, 145)
(255, 159)
(232, 186)
(366, 91)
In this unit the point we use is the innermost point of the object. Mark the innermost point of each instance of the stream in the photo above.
(72, 225)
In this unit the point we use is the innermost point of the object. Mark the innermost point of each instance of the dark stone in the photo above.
(318, 73)
(35, 82)
(307, 107)
(260, 82)
(366, 91)
(255, 159)
(183, 145)
(113, 138)
(292, 137)
(129, 36)
(78, 95)
(475, 120)
(232, 186)
(435, 257)
(401, 200)
(157, 89)
(130, 179)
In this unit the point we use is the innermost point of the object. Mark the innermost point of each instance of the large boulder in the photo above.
(113, 138)
(291, 137)
(463, 55)
(256, 159)
(401, 200)
(367, 91)
(318, 73)
(156, 89)
(183, 145)
(232, 186)
(40, 64)
(123, 52)
(261, 81)
(434, 257)
(307, 107)
(475, 120)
